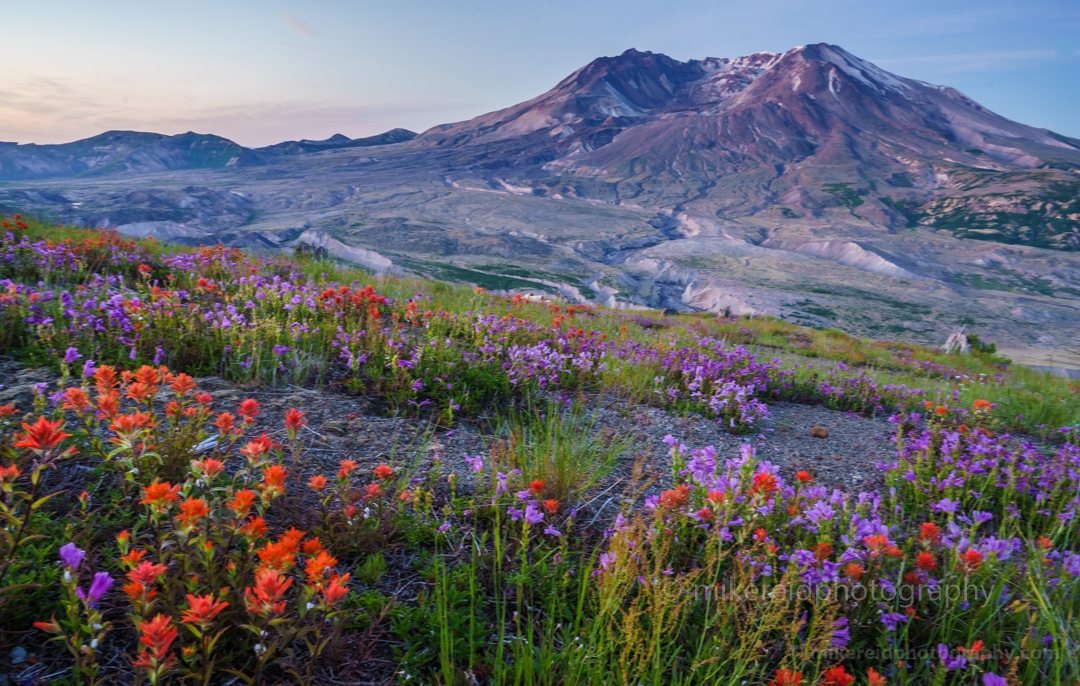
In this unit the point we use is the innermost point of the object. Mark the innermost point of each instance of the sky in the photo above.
(261, 72)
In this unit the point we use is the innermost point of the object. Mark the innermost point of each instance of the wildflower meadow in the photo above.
(153, 534)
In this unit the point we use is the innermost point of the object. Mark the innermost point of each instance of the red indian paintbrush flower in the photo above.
(208, 467)
(8, 475)
(929, 531)
(854, 571)
(294, 419)
(42, 436)
(317, 567)
(971, 560)
(202, 610)
(764, 484)
(346, 468)
(192, 509)
(675, 498)
(278, 556)
(157, 637)
(273, 480)
(146, 573)
(254, 528)
(225, 422)
(159, 495)
(335, 590)
(267, 596)
(255, 449)
(874, 678)
(383, 472)
(249, 410)
(242, 502)
(183, 384)
(318, 482)
(786, 677)
(76, 399)
(837, 676)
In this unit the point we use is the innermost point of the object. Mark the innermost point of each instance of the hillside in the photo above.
(294, 472)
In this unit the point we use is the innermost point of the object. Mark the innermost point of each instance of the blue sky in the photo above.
(261, 72)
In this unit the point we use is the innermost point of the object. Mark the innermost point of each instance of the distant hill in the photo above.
(133, 152)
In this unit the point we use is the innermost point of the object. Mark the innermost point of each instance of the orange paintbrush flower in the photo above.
(208, 467)
(273, 480)
(225, 423)
(159, 495)
(254, 528)
(249, 410)
(193, 510)
(294, 419)
(279, 556)
(335, 590)
(42, 436)
(156, 637)
(202, 610)
(267, 596)
(183, 384)
(312, 546)
(346, 468)
(383, 472)
(317, 567)
(241, 503)
(786, 677)
(837, 676)
(75, 399)
(318, 482)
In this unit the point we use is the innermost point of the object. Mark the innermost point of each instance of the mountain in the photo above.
(335, 142)
(133, 152)
(772, 135)
(810, 185)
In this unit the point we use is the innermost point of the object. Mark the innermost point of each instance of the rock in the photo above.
(819, 432)
(333, 427)
(17, 656)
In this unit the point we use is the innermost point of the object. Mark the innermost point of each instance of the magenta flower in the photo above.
(98, 588)
(72, 556)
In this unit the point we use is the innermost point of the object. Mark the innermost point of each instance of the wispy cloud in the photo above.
(297, 25)
(970, 61)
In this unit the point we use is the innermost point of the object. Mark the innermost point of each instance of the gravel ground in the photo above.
(344, 426)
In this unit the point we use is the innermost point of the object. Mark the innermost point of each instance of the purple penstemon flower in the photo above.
(70, 355)
(72, 556)
(477, 463)
(532, 514)
(98, 588)
(950, 662)
(88, 369)
(552, 531)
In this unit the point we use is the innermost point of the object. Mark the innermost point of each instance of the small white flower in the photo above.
(67, 577)
(311, 606)
(93, 644)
